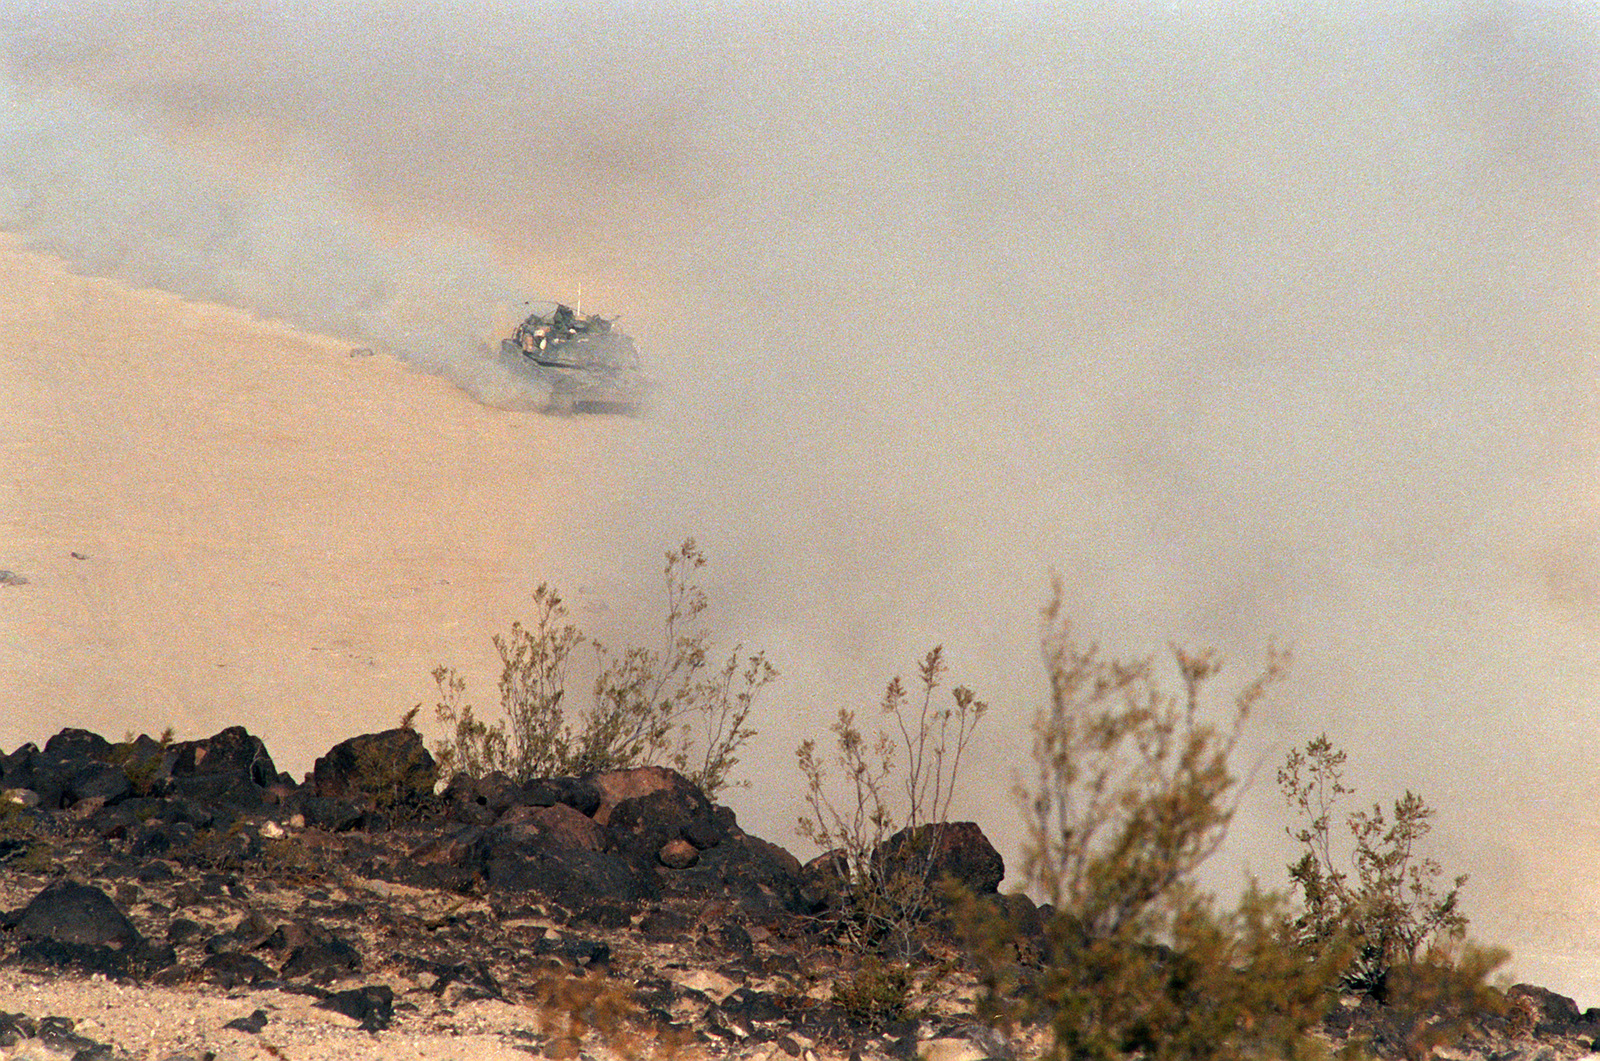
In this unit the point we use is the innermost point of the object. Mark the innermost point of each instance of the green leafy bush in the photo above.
(888, 889)
(667, 704)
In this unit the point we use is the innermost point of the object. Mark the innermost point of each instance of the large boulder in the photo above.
(661, 823)
(579, 793)
(232, 752)
(77, 745)
(102, 781)
(756, 876)
(323, 958)
(17, 770)
(823, 882)
(559, 826)
(230, 769)
(950, 850)
(639, 826)
(387, 769)
(73, 757)
(69, 912)
(1553, 1014)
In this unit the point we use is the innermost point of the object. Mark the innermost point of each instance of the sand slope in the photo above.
(273, 530)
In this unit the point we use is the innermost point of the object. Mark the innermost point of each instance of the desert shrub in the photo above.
(1390, 907)
(225, 849)
(1132, 792)
(141, 771)
(24, 844)
(669, 704)
(397, 784)
(573, 1013)
(1437, 999)
(888, 890)
(876, 992)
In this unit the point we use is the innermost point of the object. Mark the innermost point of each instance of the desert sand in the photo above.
(225, 521)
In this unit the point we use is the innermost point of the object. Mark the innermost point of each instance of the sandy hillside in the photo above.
(222, 520)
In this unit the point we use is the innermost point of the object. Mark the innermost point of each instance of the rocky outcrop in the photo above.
(198, 863)
(231, 770)
(79, 769)
(628, 893)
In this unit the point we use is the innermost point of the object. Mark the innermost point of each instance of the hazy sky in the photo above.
(1264, 322)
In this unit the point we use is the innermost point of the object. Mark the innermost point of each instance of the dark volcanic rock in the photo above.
(392, 767)
(17, 770)
(957, 850)
(181, 811)
(231, 752)
(77, 745)
(68, 912)
(228, 771)
(497, 792)
(60, 1034)
(234, 970)
(555, 851)
(640, 826)
(1553, 1014)
(822, 881)
(182, 930)
(96, 780)
(321, 959)
(473, 979)
(620, 785)
(558, 827)
(15, 1027)
(153, 841)
(757, 876)
(221, 791)
(372, 1005)
(569, 876)
(50, 773)
(324, 812)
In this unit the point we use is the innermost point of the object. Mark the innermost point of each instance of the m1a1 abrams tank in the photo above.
(586, 362)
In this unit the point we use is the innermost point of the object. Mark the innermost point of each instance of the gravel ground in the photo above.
(156, 1023)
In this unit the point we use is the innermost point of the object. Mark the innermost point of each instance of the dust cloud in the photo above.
(1254, 322)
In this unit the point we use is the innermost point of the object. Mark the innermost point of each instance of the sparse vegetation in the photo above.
(23, 845)
(395, 778)
(877, 992)
(1391, 908)
(888, 889)
(141, 770)
(1132, 793)
(668, 704)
